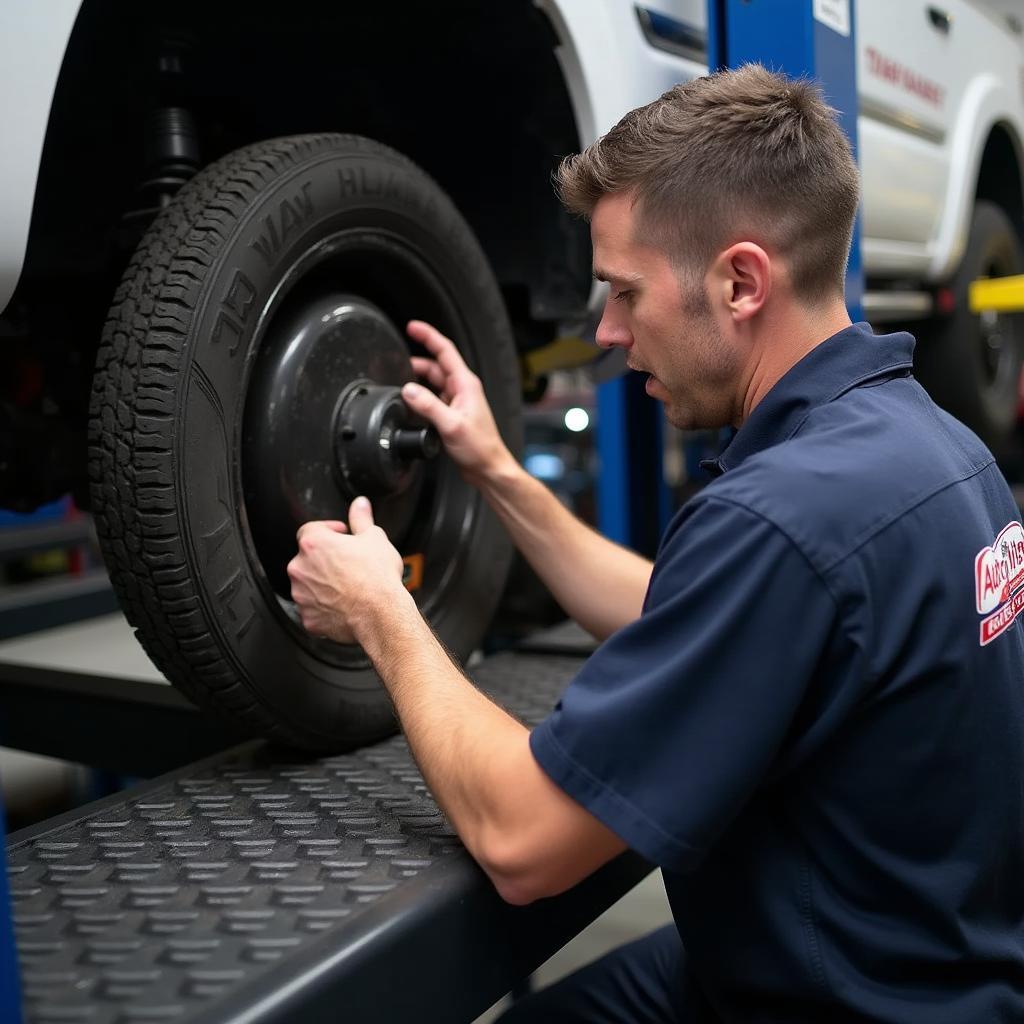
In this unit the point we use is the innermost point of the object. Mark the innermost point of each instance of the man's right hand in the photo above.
(459, 409)
(598, 583)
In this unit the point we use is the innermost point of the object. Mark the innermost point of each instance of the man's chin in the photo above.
(680, 417)
(684, 417)
(683, 424)
(679, 413)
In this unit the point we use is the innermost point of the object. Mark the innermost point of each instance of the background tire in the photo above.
(971, 363)
(177, 406)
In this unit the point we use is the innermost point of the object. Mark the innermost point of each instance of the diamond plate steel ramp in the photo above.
(250, 888)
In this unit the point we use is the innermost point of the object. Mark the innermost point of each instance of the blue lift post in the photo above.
(813, 38)
(10, 986)
(633, 499)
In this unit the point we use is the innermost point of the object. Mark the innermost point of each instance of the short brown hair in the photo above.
(744, 154)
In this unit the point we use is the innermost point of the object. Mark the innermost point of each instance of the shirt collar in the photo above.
(842, 362)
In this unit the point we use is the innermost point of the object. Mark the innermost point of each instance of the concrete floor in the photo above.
(636, 914)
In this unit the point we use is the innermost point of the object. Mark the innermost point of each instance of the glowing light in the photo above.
(576, 419)
(544, 466)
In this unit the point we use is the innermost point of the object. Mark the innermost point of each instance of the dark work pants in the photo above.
(639, 983)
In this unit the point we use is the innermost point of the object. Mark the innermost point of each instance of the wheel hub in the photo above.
(377, 442)
(326, 423)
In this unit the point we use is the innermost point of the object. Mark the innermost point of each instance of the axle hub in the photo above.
(378, 440)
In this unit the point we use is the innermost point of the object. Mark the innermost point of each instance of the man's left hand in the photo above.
(343, 575)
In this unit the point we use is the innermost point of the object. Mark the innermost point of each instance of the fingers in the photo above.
(360, 515)
(441, 348)
(428, 370)
(334, 525)
(305, 529)
(430, 407)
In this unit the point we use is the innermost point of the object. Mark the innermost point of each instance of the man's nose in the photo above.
(611, 332)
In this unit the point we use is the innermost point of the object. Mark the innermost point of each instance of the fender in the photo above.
(33, 39)
(987, 103)
(610, 68)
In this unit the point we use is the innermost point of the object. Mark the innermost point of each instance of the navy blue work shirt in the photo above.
(816, 727)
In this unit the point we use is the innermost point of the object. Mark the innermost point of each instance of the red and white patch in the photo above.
(999, 579)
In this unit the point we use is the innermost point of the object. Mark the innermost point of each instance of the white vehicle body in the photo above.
(929, 100)
(33, 38)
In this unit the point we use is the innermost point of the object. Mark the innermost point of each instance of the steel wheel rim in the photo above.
(444, 518)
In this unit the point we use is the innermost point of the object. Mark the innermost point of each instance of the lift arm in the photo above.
(997, 294)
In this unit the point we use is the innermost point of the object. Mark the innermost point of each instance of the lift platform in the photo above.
(254, 885)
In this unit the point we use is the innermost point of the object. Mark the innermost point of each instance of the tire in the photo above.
(185, 423)
(971, 363)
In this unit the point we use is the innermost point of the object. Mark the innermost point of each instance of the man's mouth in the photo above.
(651, 379)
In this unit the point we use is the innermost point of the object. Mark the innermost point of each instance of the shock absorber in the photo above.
(172, 152)
(170, 137)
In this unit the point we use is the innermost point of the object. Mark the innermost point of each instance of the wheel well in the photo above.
(999, 177)
(471, 92)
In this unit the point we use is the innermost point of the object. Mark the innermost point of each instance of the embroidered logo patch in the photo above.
(999, 582)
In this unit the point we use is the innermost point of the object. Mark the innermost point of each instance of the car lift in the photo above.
(248, 886)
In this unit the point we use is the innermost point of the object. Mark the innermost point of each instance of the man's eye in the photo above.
(621, 296)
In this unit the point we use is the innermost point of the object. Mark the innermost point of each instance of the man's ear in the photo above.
(742, 279)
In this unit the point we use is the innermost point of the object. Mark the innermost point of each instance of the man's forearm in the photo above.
(599, 583)
(530, 837)
(474, 756)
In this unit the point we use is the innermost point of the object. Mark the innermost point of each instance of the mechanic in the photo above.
(810, 714)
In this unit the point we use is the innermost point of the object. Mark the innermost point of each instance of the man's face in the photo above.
(666, 327)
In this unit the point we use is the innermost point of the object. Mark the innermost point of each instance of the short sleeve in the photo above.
(674, 721)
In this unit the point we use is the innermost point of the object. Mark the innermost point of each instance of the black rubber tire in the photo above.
(165, 434)
(950, 358)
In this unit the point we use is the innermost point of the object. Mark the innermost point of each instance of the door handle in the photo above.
(940, 19)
